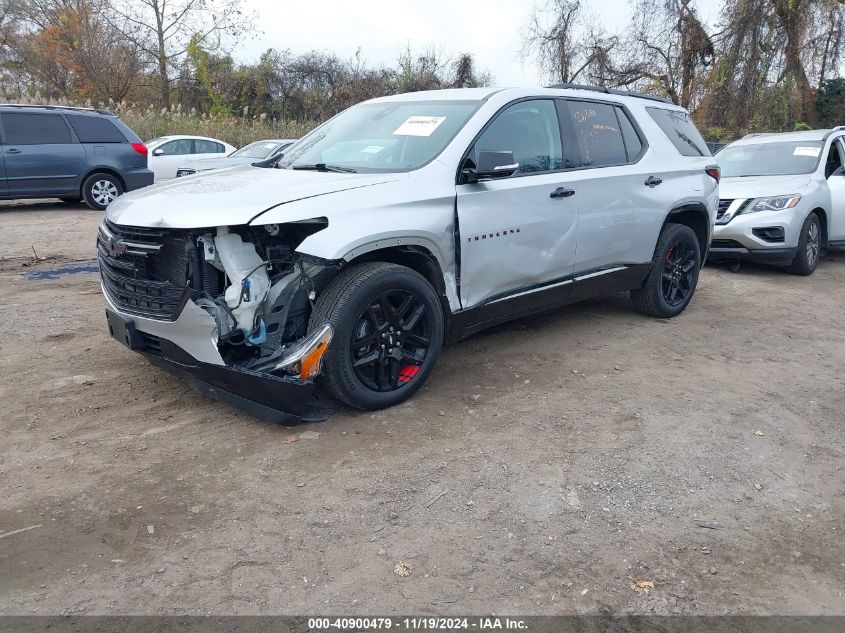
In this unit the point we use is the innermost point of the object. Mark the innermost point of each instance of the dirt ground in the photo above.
(546, 465)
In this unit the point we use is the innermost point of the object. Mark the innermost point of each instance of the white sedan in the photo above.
(166, 153)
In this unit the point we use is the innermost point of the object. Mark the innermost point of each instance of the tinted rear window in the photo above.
(680, 129)
(598, 134)
(93, 129)
(35, 129)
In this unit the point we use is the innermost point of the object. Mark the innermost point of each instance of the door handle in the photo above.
(13, 151)
(653, 182)
(562, 192)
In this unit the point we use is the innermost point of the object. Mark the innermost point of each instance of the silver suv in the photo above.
(401, 224)
(782, 199)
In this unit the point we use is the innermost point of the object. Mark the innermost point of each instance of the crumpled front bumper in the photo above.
(278, 399)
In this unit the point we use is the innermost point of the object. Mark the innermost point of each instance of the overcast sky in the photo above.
(490, 29)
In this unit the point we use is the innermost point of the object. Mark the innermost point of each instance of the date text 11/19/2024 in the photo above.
(416, 624)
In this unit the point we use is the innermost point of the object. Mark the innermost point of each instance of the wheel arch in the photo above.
(101, 170)
(823, 218)
(695, 216)
(419, 259)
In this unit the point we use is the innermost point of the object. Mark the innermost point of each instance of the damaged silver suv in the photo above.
(401, 224)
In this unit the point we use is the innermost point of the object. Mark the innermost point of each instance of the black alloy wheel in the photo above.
(678, 278)
(389, 327)
(390, 340)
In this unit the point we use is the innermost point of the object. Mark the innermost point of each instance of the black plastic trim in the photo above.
(546, 296)
(773, 256)
(272, 398)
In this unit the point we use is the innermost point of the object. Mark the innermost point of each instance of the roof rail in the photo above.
(838, 128)
(55, 107)
(610, 91)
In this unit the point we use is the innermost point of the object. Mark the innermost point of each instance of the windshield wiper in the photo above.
(324, 167)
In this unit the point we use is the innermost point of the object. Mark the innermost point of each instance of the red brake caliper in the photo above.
(408, 372)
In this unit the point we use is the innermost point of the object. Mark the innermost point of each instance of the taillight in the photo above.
(140, 148)
(714, 172)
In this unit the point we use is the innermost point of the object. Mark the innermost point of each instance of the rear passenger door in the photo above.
(616, 207)
(41, 155)
(3, 187)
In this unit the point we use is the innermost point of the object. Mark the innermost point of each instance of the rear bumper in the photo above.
(137, 179)
(282, 400)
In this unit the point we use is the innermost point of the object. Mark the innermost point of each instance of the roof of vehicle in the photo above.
(786, 137)
(565, 90)
(35, 106)
(176, 137)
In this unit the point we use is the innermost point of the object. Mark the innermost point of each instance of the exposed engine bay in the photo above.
(249, 279)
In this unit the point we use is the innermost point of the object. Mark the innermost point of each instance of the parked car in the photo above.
(782, 199)
(260, 150)
(69, 153)
(401, 224)
(168, 152)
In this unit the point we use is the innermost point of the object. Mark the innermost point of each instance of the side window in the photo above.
(207, 147)
(35, 129)
(834, 159)
(94, 129)
(176, 148)
(598, 133)
(633, 143)
(531, 131)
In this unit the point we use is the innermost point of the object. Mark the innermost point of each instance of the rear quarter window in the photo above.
(679, 128)
(92, 129)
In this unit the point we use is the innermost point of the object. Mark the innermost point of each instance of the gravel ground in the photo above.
(554, 465)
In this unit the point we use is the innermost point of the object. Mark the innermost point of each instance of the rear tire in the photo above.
(809, 247)
(670, 285)
(388, 331)
(100, 190)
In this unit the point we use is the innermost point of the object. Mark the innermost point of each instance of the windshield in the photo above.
(259, 149)
(382, 137)
(769, 159)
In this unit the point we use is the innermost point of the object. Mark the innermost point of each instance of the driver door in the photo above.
(517, 239)
(836, 183)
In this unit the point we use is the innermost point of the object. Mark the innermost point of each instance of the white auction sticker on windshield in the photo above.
(807, 151)
(372, 149)
(269, 145)
(419, 126)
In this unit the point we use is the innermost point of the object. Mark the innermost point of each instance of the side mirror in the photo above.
(495, 164)
(158, 152)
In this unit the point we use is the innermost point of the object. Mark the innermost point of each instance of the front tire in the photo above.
(809, 247)
(388, 331)
(670, 285)
(100, 190)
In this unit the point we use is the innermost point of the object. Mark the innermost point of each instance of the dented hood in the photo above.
(230, 196)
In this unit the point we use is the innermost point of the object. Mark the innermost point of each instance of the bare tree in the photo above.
(163, 29)
(567, 45)
(668, 51)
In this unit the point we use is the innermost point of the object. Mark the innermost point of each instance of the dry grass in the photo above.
(150, 123)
